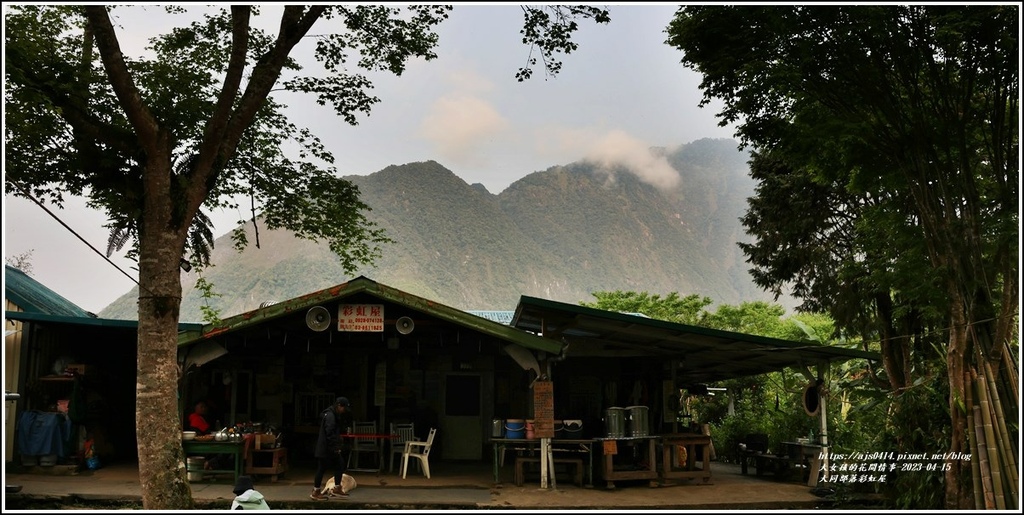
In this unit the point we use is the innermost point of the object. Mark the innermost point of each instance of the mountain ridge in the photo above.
(562, 233)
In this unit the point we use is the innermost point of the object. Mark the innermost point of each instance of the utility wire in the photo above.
(72, 231)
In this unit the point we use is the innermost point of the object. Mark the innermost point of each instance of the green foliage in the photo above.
(919, 423)
(210, 314)
(549, 29)
(672, 308)
(886, 145)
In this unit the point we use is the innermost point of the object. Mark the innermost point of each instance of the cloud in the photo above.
(617, 148)
(460, 125)
(609, 149)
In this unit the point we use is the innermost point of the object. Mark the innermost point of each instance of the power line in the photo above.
(72, 231)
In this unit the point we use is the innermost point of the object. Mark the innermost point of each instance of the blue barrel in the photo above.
(515, 428)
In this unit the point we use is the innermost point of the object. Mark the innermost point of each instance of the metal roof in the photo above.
(31, 296)
(705, 355)
(429, 316)
(93, 321)
(501, 317)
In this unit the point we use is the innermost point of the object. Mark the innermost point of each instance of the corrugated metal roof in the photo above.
(501, 317)
(705, 355)
(32, 297)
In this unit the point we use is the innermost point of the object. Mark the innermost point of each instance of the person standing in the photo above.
(246, 496)
(331, 449)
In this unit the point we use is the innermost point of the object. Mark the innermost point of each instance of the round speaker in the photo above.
(812, 399)
(404, 325)
(318, 318)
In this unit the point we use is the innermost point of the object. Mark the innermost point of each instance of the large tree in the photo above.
(154, 141)
(886, 142)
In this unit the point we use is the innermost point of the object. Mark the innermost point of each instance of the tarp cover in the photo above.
(42, 433)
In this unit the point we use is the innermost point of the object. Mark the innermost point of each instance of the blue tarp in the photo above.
(42, 433)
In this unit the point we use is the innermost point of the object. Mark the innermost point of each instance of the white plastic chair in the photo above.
(364, 445)
(420, 451)
(406, 433)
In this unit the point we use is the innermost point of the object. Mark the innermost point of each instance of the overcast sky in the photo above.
(622, 91)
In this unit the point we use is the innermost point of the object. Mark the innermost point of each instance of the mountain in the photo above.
(667, 224)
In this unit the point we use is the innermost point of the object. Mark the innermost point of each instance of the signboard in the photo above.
(544, 409)
(361, 318)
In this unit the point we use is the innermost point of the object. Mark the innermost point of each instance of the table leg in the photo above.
(496, 481)
(815, 466)
(590, 466)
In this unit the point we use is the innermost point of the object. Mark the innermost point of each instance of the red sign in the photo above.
(361, 318)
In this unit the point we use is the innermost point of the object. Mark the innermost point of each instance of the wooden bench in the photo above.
(521, 460)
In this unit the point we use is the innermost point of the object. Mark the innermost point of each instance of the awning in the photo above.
(705, 355)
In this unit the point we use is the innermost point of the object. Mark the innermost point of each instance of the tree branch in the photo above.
(294, 25)
(145, 124)
(207, 164)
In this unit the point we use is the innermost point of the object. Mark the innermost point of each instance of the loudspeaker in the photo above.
(318, 318)
(404, 325)
(812, 399)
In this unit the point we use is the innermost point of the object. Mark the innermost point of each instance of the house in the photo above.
(400, 357)
(46, 337)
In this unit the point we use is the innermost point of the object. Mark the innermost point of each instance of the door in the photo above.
(461, 430)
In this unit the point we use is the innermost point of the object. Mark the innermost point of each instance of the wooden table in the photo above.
(379, 437)
(634, 463)
(810, 454)
(690, 442)
(236, 449)
(277, 464)
(560, 445)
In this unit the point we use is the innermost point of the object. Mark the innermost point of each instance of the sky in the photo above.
(622, 91)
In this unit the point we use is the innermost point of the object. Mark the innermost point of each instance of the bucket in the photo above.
(515, 428)
(195, 465)
(638, 423)
(530, 433)
(497, 428)
(48, 460)
(615, 422)
(573, 428)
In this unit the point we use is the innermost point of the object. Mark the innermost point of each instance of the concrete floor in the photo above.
(452, 485)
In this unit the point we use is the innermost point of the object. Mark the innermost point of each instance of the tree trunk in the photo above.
(158, 424)
(956, 498)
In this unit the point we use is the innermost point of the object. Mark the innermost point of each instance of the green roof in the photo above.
(298, 306)
(32, 297)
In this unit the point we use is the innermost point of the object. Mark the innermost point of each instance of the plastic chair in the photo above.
(406, 433)
(364, 445)
(420, 451)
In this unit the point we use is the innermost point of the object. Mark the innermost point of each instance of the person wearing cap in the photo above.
(331, 449)
(246, 497)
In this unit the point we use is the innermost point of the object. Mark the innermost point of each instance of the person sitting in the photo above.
(197, 419)
(246, 496)
(197, 422)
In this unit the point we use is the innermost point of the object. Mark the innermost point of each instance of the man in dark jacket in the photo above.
(331, 449)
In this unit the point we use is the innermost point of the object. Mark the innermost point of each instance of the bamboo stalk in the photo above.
(972, 443)
(986, 479)
(990, 443)
(1002, 433)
